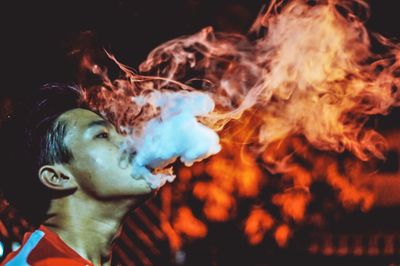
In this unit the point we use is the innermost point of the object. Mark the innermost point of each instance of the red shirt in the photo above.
(44, 248)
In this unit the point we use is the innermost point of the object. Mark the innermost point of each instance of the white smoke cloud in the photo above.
(174, 134)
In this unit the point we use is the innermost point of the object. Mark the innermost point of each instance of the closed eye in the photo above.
(102, 135)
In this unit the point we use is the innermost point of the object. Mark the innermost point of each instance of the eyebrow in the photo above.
(103, 123)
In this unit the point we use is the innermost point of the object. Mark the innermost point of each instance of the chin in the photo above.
(141, 199)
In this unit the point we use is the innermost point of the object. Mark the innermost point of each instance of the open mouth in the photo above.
(164, 170)
(159, 176)
(163, 167)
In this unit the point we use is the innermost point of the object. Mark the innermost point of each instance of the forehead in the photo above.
(78, 119)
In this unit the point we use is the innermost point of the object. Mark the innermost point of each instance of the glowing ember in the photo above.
(257, 224)
(292, 203)
(189, 225)
(282, 234)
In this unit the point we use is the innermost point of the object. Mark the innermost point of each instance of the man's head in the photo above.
(54, 147)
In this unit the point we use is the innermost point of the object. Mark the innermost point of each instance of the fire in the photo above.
(187, 224)
(257, 224)
(288, 97)
(293, 204)
(282, 234)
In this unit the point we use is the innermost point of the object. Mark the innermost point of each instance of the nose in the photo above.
(126, 145)
(119, 138)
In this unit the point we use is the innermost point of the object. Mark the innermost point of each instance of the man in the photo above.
(61, 168)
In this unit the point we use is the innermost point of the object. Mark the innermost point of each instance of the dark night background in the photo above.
(37, 38)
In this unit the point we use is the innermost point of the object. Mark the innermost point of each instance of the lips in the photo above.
(159, 176)
(165, 170)
(155, 174)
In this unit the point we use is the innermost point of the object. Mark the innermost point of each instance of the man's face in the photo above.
(96, 164)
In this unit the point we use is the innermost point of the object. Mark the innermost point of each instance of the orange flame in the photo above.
(282, 234)
(257, 224)
(293, 204)
(187, 224)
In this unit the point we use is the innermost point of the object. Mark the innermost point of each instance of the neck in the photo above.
(88, 227)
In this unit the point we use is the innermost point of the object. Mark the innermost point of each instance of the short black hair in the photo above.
(31, 137)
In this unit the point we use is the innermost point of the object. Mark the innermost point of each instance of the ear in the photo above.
(56, 177)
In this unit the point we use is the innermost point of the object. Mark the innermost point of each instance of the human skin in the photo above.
(98, 189)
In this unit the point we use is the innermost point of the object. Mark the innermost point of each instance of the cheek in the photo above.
(100, 172)
(96, 165)
(101, 159)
